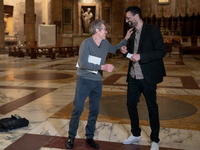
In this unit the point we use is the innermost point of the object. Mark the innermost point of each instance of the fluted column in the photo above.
(2, 34)
(30, 22)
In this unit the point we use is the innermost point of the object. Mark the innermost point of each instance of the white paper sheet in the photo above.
(93, 60)
(129, 55)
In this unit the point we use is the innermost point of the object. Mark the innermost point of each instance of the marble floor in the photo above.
(42, 91)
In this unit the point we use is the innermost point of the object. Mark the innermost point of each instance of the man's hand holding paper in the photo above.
(135, 57)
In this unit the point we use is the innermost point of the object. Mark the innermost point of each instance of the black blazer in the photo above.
(151, 50)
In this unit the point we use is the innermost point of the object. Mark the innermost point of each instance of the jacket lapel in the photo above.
(132, 39)
(142, 36)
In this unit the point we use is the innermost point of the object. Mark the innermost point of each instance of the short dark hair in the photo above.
(96, 24)
(134, 10)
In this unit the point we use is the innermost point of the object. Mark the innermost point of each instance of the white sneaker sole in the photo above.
(130, 142)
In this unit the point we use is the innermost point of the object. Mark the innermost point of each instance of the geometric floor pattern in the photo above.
(42, 91)
(28, 142)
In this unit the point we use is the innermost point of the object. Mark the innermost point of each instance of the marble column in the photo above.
(2, 34)
(30, 22)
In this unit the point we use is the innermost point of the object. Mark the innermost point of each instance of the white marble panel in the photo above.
(174, 91)
(9, 95)
(7, 138)
(54, 127)
(171, 138)
(171, 81)
(36, 113)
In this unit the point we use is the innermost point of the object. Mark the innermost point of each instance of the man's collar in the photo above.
(140, 29)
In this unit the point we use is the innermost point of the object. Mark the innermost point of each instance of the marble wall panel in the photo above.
(78, 40)
(67, 28)
(68, 41)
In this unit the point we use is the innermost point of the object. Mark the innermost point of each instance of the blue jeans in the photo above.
(135, 88)
(85, 88)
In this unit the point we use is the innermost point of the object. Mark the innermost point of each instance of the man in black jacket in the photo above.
(146, 70)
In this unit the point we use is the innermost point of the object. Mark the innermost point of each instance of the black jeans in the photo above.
(135, 88)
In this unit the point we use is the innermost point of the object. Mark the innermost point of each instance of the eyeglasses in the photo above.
(127, 18)
(103, 29)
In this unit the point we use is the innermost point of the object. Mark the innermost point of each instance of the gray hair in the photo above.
(96, 24)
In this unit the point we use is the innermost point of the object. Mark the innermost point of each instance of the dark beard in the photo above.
(133, 24)
(130, 25)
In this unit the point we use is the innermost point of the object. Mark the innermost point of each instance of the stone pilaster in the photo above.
(117, 21)
(102, 10)
(56, 18)
(75, 17)
(30, 22)
(45, 12)
(2, 34)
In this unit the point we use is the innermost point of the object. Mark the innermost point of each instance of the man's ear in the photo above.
(97, 30)
(136, 15)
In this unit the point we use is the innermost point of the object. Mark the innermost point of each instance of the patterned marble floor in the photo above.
(42, 90)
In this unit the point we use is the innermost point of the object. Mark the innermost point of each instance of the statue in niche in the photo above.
(87, 17)
(5, 23)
